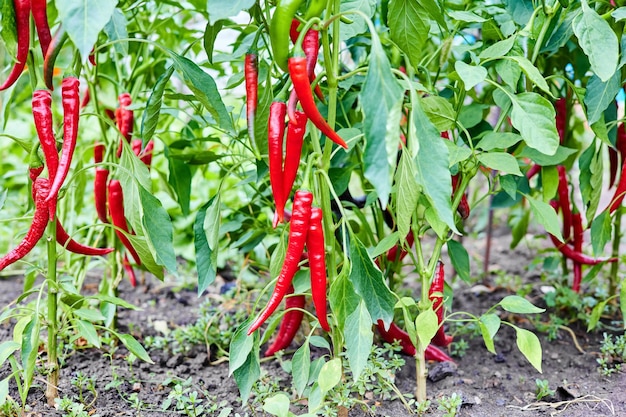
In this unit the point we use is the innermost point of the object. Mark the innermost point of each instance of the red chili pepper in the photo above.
(564, 202)
(35, 164)
(275, 136)
(146, 155)
(620, 191)
(136, 146)
(42, 115)
(116, 210)
(576, 256)
(392, 254)
(40, 16)
(71, 110)
(396, 333)
(577, 224)
(289, 324)
(463, 208)
(533, 170)
(22, 24)
(251, 75)
(311, 48)
(296, 128)
(129, 271)
(300, 79)
(435, 294)
(37, 227)
(86, 99)
(298, 229)
(561, 117)
(125, 119)
(100, 193)
(317, 264)
(71, 245)
(620, 142)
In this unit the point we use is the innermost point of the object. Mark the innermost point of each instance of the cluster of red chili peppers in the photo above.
(45, 190)
(103, 187)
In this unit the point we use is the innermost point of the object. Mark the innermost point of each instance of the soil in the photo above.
(489, 385)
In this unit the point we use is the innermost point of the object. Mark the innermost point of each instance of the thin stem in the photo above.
(53, 363)
(617, 222)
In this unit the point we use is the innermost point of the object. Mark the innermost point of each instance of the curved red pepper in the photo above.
(100, 193)
(296, 128)
(125, 119)
(251, 75)
(71, 110)
(392, 254)
(37, 227)
(564, 202)
(275, 137)
(620, 191)
(298, 229)
(42, 115)
(396, 333)
(40, 16)
(435, 294)
(289, 324)
(300, 79)
(311, 48)
(22, 24)
(71, 245)
(116, 210)
(317, 265)
(576, 256)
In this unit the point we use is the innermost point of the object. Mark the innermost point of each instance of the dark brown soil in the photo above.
(502, 385)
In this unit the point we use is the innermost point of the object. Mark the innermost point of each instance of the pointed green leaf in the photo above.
(219, 9)
(210, 35)
(117, 32)
(460, 259)
(546, 216)
(150, 117)
(409, 28)
(595, 315)
(7, 348)
(369, 283)
(84, 20)
(158, 229)
(598, 41)
(358, 337)
(534, 117)
(359, 24)
(30, 347)
(180, 180)
(498, 140)
(343, 298)
(520, 305)
(528, 343)
(440, 112)
(88, 331)
(472, 75)
(498, 49)
(489, 325)
(301, 365)
(134, 347)
(330, 375)
(600, 232)
(381, 99)
(599, 95)
(408, 193)
(206, 240)
(89, 314)
(500, 161)
(240, 347)
(426, 325)
(531, 72)
(277, 405)
(248, 373)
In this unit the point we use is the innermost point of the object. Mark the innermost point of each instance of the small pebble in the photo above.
(499, 358)
(137, 387)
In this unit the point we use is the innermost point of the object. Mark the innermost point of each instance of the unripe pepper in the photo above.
(289, 324)
(298, 229)
(279, 30)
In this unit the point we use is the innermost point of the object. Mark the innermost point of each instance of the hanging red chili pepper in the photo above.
(561, 117)
(576, 256)
(251, 75)
(100, 193)
(146, 155)
(37, 227)
(298, 229)
(620, 191)
(317, 264)
(40, 16)
(577, 224)
(435, 294)
(129, 271)
(394, 333)
(116, 210)
(125, 119)
(289, 324)
(296, 128)
(564, 202)
(311, 48)
(42, 115)
(613, 164)
(275, 137)
(71, 245)
(392, 254)
(22, 25)
(300, 79)
(71, 111)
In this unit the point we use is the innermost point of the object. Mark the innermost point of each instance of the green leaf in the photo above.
(489, 325)
(534, 117)
(595, 315)
(134, 347)
(206, 241)
(248, 373)
(343, 298)
(8, 30)
(599, 95)
(528, 344)
(562, 153)
(301, 362)
(520, 305)
(426, 325)
(278, 256)
(180, 180)
(219, 9)
(204, 89)
(498, 49)
(369, 283)
(277, 405)
(30, 347)
(84, 20)
(466, 16)
(381, 99)
(408, 193)
(460, 259)
(157, 227)
(472, 75)
(114, 300)
(240, 347)
(591, 174)
(500, 161)
(358, 337)
(600, 232)
(546, 216)
(89, 314)
(4, 388)
(619, 14)
(117, 32)
(210, 35)
(7, 348)
(531, 72)
(598, 41)
(150, 117)
(384, 245)
(359, 24)
(498, 140)
(330, 375)
(549, 182)
(88, 331)
(432, 169)
(409, 28)
(440, 112)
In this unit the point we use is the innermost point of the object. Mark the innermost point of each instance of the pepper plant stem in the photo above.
(53, 363)
(613, 279)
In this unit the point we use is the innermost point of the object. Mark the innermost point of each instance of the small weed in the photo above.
(542, 389)
(185, 401)
(458, 348)
(450, 405)
(10, 408)
(613, 351)
(72, 408)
